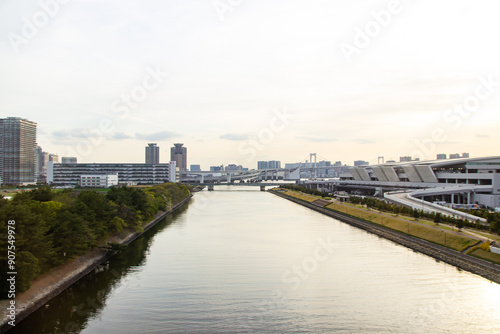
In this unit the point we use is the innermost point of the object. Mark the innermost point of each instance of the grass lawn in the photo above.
(439, 237)
(304, 197)
(397, 223)
(488, 256)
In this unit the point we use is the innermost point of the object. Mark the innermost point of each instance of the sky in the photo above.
(239, 81)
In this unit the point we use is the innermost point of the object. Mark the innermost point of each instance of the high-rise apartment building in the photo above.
(152, 154)
(18, 151)
(39, 162)
(178, 153)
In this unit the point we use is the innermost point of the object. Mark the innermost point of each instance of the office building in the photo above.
(273, 164)
(233, 167)
(70, 174)
(178, 153)
(361, 163)
(217, 168)
(195, 168)
(18, 151)
(403, 159)
(69, 160)
(441, 156)
(152, 154)
(454, 156)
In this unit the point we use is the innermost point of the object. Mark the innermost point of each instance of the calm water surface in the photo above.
(237, 260)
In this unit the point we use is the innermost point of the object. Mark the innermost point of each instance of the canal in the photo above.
(238, 260)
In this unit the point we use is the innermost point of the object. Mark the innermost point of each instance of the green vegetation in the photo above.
(488, 256)
(380, 205)
(421, 231)
(305, 190)
(54, 226)
(304, 197)
(428, 233)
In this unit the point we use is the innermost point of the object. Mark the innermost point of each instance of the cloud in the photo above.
(78, 134)
(233, 136)
(72, 134)
(162, 135)
(317, 139)
(121, 136)
(364, 141)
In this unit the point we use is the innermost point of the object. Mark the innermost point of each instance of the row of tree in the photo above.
(304, 190)
(53, 226)
(381, 205)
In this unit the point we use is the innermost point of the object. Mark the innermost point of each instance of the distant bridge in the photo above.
(229, 176)
(262, 185)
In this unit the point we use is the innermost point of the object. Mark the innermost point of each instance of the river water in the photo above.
(239, 260)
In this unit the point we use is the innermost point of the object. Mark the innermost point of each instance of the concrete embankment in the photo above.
(58, 279)
(466, 262)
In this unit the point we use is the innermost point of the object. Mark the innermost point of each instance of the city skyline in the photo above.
(259, 81)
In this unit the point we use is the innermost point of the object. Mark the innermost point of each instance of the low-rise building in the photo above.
(98, 180)
(70, 174)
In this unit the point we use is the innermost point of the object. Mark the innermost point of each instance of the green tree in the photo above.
(438, 218)
(72, 236)
(27, 269)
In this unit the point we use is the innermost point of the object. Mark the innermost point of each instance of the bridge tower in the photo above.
(311, 155)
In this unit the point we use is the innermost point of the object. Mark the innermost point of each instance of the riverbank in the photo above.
(477, 266)
(58, 279)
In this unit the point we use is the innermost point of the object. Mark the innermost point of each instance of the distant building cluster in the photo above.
(273, 164)
(23, 162)
(442, 156)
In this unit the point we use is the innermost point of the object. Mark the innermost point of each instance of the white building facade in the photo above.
(71, 174)
(98, 180)
(462, 181)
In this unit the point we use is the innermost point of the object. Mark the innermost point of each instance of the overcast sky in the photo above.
(241, 81)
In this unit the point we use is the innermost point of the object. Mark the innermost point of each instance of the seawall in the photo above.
(62, 278)
(466, 262)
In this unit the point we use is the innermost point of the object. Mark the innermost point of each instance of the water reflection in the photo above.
(71, 310)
